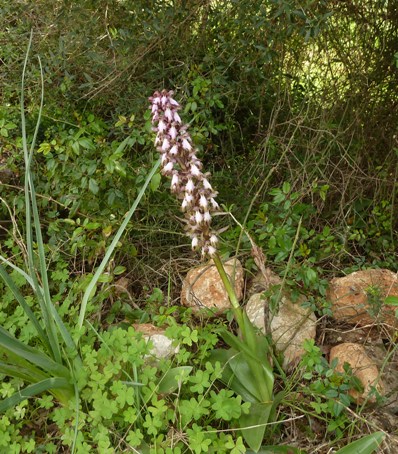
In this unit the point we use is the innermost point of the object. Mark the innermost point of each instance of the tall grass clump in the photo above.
(53, 364)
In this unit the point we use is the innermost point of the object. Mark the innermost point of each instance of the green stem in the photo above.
(231, 294)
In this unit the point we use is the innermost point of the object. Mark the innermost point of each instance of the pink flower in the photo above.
(161, 126)
(180, 162)
(173, 132)
(166, 144)
(168, 114)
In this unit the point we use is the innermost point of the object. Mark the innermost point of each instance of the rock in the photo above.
(263, 281)
(203, 287)
(121, 286)
(290, 327)
(255, 310)
(362, 366)
(6, 175)
(162, 345)
(359, 297)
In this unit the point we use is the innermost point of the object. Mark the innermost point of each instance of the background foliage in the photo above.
(292, 104)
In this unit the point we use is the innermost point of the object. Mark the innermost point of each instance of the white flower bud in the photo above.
(215, 205)
(211, 251)
(164, 100)
(213, 240)
(174, 180)
(184, 204)
(177, 118)
(154, 108)
(173, 102)
(168, 167)
(206, 184)
(195, 170)
(156, 100)
(174, 150)
(203, 201)
(207, 217)
(186, 145)
(190, 186)
(195, 242)
(198, 217)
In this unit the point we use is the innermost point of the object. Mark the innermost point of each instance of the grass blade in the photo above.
(32, 390)
(10, 343)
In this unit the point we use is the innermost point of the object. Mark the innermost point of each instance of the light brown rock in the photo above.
(255, 310)
(290, 327)
(359, 297)
(362, 366)
(121, 286)
(162, 345)
(263, 281)
(203, 287)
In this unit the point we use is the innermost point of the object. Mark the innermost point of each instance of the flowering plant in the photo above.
(246, 366)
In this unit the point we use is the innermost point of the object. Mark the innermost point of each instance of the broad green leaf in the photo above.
(365, 445)
(170, 380)
(253, 424)
(93, 186)
(228, 376)
(155, 182)
(391, 300)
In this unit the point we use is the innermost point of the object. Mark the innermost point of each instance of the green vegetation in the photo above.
(292, 106)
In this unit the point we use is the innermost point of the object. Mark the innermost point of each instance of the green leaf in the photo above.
(228, 376)
(391, 300)
(155, 182)
(93, 186)
(10, 343)
(86, 143)
(286, 187)
(365, 445)
(119, 270)
(278, 450)
(172, 378)
(32, 390)
(257, 417)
